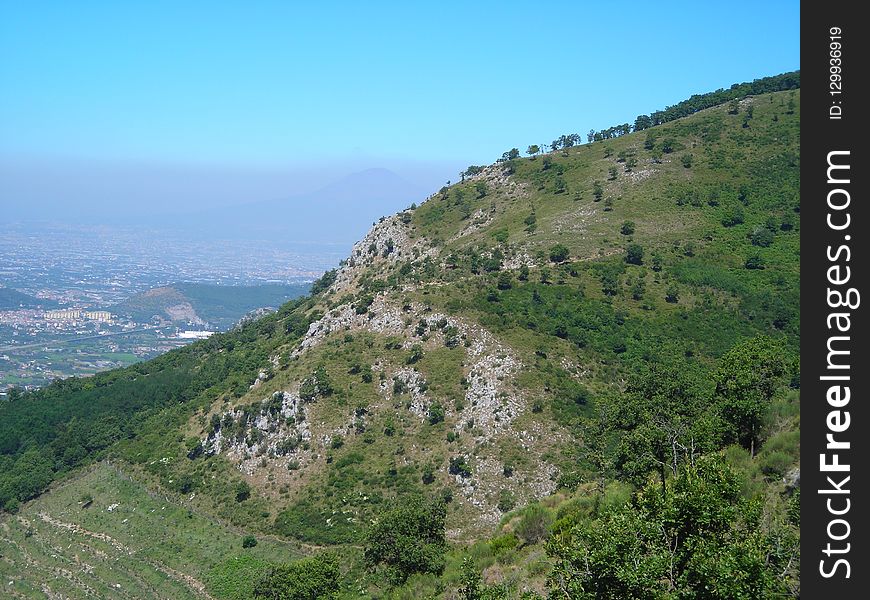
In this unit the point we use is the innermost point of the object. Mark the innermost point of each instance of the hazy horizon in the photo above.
(128, 193)
(128, 111)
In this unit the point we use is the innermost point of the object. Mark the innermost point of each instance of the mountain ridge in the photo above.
(351, 203)
(493, 348)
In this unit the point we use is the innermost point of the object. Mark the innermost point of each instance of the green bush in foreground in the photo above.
(700, 538)
(315, 578)
(408, 540)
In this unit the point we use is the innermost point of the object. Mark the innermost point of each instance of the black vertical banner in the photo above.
(835, 368)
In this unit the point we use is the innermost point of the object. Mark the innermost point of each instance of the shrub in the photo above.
(559, 253)
(243, 491)
(733, 216)
(761, 236)
(531, 222)
(312, 578)
(754, 262)
(627, 228)
(326, 280)
(506, 501)
(634, 254)
(459, 466)
(362, 305)
(597, 191)
(308, 389)
(322, 381)
(421, 327)
(503, 543)
(638, 289)
(249, 541)
(408, 540)
(416, 354)
(505, 281)
(436, 413)
(428, 475)
(524, 273)
(698, 538)
(534, 525)
(775, 464)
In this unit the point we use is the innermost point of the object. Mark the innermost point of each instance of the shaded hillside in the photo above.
(559, 369)
(11, 299)
(220, 306)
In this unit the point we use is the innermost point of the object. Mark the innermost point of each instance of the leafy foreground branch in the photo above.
(698, 538)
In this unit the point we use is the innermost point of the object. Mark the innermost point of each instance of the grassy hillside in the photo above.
(105, 534)
(526, 384)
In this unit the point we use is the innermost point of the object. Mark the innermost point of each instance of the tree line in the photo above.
(697, 102)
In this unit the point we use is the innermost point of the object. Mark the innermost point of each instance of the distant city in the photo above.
(65, 294)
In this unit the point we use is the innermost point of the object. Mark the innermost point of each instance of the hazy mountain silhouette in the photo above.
(338, 213)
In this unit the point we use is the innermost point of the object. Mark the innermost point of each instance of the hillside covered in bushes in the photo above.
(569, 375)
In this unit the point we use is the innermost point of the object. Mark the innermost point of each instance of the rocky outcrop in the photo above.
(492, 405)
(275, 427)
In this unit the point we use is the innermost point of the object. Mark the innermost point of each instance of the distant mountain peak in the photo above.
(373, 183)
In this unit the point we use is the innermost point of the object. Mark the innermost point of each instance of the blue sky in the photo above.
(313, 90)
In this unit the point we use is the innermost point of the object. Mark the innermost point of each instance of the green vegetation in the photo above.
(13, 299)
(408, 540)
(698, 102)
(605, 364)
(698, 538)
(315, 578)
(74, 422)
(220, 305)
(128, 535)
